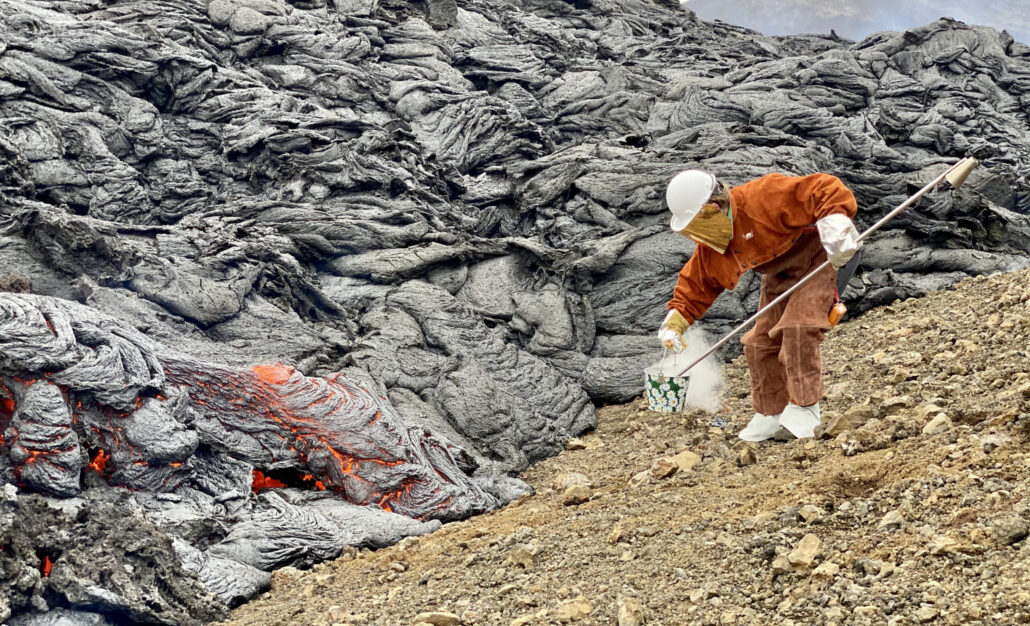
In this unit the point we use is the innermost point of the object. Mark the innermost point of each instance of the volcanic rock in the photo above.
(630, 611)
(893, 519)
(576, 494)
(444, 219)
(1010, 530)
(664, 468)
(938, 424)
(811, 513)
(803, 556)
(686, 460)
(438, 618)
(574, 610)
(746, 456)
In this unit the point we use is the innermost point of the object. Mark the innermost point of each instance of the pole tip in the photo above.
(961, 171)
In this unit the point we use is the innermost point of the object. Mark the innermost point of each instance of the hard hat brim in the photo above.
(679, 222)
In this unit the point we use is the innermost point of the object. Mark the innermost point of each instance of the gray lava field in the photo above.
(281, 277)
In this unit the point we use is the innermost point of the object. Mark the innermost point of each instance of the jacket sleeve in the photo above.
(696, 288)
(819, 195)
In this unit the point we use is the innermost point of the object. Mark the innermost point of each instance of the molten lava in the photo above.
(276, 374)
(99, 462)
(46, 566)
(262, 482)
(318, 484)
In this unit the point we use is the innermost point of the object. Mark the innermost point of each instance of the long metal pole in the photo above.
(872, 229)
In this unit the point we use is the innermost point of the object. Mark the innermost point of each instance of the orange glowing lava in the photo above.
(276, 374)
(318, 484)
(99, 462)
(262, 482)
(47, 566)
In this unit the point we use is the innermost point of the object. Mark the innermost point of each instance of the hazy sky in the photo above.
(855, 19)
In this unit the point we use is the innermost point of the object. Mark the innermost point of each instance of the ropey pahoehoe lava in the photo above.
(84, 396)
(443, 218)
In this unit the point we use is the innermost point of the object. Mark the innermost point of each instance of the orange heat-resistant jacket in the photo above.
(769, 215)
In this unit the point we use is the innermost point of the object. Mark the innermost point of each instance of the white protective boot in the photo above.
(800, 421)
(760, 428)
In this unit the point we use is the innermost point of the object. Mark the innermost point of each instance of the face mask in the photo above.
(711, 227)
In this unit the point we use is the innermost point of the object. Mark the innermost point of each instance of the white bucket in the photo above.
(666, 392)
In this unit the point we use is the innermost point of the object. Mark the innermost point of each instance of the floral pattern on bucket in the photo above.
(665, 394)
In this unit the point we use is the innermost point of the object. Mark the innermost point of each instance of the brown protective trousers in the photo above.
(782, 350)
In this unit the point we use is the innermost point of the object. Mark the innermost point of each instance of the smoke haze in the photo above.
(856, 19)
(706, 381)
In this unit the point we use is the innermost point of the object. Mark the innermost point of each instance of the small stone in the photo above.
(746, 457)
(664, 468)
(247, 21)
(686, 460)
(892, 519)
(899, 376)
(574, 610)
(938, 424)
(803, 556)
(894, 405)
(640, 478)
(627, 556)
(700, 595)
(575, 444)
(810, 513)
(1010, 530)
(438, 618)
(991, 443)
(782, 565)
(925, 411)
(855, 417)
(576, 494)
(617, 535)
(761, 519)
(826, 571)
(220, 11)
(630, 611)
(308, 591)
(858, 415)
(926, 613)
(943, 544)
(568, 479)
(835, 614)
(285, 577)
(408, 544)
(523, 556)
(337, 613)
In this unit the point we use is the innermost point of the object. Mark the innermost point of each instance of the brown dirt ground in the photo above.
(709, 545)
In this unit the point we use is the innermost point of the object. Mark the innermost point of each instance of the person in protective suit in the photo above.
(782, 227)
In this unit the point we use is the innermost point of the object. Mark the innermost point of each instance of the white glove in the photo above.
(839, 238)
(671, 331)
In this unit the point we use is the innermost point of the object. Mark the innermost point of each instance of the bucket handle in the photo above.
(661, 367)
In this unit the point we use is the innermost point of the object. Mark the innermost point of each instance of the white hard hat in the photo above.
(688, 191)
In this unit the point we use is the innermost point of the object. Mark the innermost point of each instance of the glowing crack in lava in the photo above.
(156, 421)
(349, 439)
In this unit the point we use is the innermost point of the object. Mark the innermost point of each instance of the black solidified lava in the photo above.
(288, 276)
